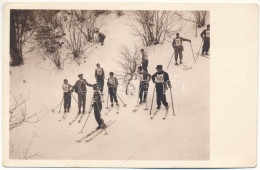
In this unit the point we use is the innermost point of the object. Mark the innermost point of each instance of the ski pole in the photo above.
(147, 85)
(138, 94)
(199, 49)
(74, 98)
(85, 123)
(107, 99)
(61, 104)
(152, 101)
(172, 102)
(53, 110)
(121, 100)
(170, 60)
(90, 107)
(192, 52)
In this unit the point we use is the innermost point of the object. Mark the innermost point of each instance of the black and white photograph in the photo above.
(110, 84)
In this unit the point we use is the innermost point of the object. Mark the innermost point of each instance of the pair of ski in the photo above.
(93, 134)
(81, 117)
(165, 114)
(184, 67)
(110, 108)
(138, 106)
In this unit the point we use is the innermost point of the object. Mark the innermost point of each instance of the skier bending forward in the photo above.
(161, 80)
(98, 107)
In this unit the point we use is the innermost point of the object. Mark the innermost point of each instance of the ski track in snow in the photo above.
(134, 136)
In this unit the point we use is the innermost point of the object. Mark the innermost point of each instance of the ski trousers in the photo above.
(67, 100)
(145, 65)
(178, 52)
(100, 83)
(112, 93)
(97, 112)
(143, 90)
(205, 47)
(82, 101)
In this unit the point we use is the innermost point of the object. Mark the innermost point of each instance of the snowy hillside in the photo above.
(134, 136)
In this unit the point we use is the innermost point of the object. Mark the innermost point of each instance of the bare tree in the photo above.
(198, 18)
(154, 26)
(22, 27)
(75, 42)
(18, 114)
(128, 62)
(49, 35)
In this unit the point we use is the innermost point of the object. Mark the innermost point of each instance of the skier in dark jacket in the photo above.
(178, 47)
(144, 84)
(162, 82)
(100, 76)
(66, 87)
(97, 107)
(101, 37)
(205, 35)
(145, 60)
(112, 84)
(81, 90)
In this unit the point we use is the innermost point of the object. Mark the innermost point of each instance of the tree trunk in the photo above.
(14, 52)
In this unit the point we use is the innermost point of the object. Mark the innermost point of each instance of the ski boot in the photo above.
(158, 107)
(167, 107)
(99, 127)
(140, 102)
(176, 63)
(117, 104)
(112, 105)
(68, 110)
(180, 62)
(64, 110)
(79, 112)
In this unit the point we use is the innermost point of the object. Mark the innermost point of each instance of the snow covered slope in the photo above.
(134, 136)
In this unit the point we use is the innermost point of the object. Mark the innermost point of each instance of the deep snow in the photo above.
(134, 136)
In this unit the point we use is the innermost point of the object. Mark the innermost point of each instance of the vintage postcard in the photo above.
(142, 85)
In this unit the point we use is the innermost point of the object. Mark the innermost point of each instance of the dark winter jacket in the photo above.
(80, 86)
(205, 35)
(162, 80)
(96, 97)
(178, 42)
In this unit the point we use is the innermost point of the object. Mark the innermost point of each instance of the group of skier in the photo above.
(160, 78)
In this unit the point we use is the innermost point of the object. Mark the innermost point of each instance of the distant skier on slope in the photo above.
(100, 76)
(145, 60)
(101, 37)
(145, 78)
(97, 107)
(205, 35)
(112, 84)
(66, 87)
(162, 82)
(178, 47)
(81, 90)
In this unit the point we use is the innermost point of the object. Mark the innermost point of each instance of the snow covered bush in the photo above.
(49, 35)
(22, 27)
(128, 61)
(154, 26)
(18, 113)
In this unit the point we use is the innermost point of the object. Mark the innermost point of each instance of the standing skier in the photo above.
(162, 82)
(145, 78)
(101, 37)
(205, 35)
(66, 95)
(145, 60)
(178, 47)
(97, 107)
(81, 90)
(112, 84)
(100, 75)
